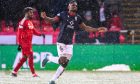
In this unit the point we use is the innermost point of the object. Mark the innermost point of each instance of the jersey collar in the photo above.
(71, 14)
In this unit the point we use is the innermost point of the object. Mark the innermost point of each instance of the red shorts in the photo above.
(27, 50)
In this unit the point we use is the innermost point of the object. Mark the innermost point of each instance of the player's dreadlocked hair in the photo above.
(27, 9)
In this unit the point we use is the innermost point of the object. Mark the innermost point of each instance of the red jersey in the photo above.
(26, 31)
(116, 21)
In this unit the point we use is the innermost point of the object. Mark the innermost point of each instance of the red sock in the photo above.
(22, 60)
(31, 65)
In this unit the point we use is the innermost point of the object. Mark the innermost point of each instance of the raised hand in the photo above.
(43, 15)
(102, 29)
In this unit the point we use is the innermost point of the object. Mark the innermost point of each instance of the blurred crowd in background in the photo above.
(95, 13)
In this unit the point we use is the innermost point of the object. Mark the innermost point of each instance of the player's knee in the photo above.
(63, 61)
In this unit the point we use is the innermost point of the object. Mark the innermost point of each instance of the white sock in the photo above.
(58, 73)
(53, 59)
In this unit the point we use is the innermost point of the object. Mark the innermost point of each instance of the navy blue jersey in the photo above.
(68, 24)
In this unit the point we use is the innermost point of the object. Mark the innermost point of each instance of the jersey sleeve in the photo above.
(80, 19)
(59, 16)
(30, 25)
(36, 32)
(19, 31)
(19, 36)
(56, 18)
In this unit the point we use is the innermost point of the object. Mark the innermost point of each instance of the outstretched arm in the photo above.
(19, 36)
(51, 20)
(36, 32)
(91, 29)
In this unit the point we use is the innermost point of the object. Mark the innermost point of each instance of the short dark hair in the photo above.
(27, 9)
(72, 1)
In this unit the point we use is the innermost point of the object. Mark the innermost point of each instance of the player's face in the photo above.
(73, 7)
(30, 14)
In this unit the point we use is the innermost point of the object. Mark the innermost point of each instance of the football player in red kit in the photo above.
(26, 31)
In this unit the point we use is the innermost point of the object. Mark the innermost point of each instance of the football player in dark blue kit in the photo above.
(70, 21)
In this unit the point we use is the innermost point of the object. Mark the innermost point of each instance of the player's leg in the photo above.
(60, 48)
(51, 59)
(59, 72)
(65, 55)
(22, 60)
(63, 61)
(31, 65)
(63, 51)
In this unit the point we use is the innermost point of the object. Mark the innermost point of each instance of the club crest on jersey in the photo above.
(30, 25)
(71, 22)
(71, 25)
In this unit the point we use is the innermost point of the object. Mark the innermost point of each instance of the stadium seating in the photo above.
(131, 17)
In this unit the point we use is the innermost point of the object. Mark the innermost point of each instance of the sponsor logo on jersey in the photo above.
(71, 25)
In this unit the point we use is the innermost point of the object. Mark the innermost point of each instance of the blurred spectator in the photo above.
(116, 20)
(115, 28)
(85, 5)
(102, 21)
(120, 38)
(114, 36)
(102, 15)
(88, 19)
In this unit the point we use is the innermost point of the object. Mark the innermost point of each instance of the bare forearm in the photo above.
(90, 29)
(51, 20)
